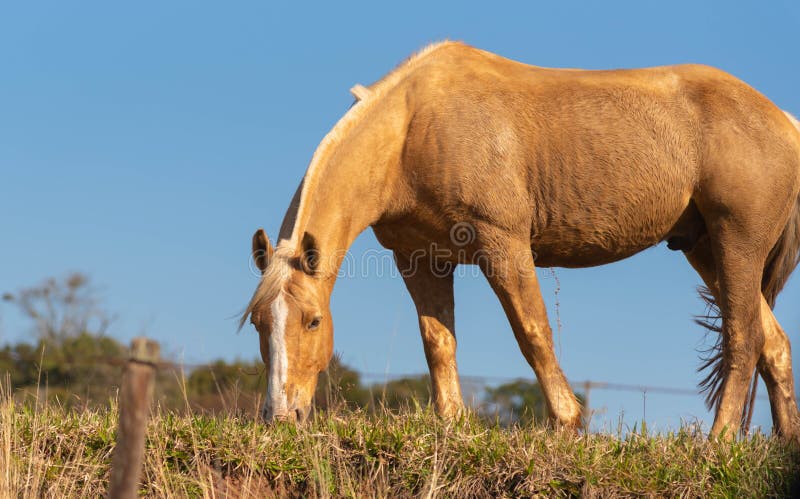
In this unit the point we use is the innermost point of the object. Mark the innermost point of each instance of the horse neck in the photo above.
(351, 186)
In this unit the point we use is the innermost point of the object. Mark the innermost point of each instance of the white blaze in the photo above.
(277, 400)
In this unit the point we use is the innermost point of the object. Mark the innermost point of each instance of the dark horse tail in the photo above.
(782, 260)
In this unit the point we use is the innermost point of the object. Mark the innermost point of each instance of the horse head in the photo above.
(290, 310)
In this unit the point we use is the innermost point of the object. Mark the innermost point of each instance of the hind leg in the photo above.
(739, 284)
(774, 364)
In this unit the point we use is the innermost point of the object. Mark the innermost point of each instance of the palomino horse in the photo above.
(547, 167)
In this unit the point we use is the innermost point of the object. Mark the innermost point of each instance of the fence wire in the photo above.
(378, 378)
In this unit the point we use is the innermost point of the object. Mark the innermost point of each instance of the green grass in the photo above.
(51, 451)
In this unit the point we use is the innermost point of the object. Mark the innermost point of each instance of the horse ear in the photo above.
(262, 250)
(309, 258)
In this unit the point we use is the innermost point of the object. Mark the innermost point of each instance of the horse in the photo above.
(510, 167)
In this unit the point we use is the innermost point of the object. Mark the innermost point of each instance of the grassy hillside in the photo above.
(51, 451)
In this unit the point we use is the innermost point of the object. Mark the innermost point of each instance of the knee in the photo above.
(536, 336)
(436, 337)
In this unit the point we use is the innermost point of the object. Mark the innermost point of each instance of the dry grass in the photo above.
(48, 451)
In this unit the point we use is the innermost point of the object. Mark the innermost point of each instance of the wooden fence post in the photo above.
(134, 408)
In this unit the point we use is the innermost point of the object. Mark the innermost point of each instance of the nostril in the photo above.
(303, 413)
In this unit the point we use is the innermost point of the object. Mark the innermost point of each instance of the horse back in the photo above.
(603, 161)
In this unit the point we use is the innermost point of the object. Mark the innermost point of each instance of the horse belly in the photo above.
(576, 250)
(612, 228)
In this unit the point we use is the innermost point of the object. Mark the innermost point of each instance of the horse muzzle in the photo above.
(295, 415)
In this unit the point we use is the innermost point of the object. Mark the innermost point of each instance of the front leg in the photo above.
(510, 270)
(433, 297)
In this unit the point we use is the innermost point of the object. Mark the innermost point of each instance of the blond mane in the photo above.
(347, 123)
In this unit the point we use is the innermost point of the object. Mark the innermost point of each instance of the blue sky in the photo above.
(143, 143)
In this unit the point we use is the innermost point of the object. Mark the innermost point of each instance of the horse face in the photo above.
(295, 331)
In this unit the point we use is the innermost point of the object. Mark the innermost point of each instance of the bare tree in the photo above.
(62, 309)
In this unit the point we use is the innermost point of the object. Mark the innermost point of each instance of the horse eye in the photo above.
(314, 324)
